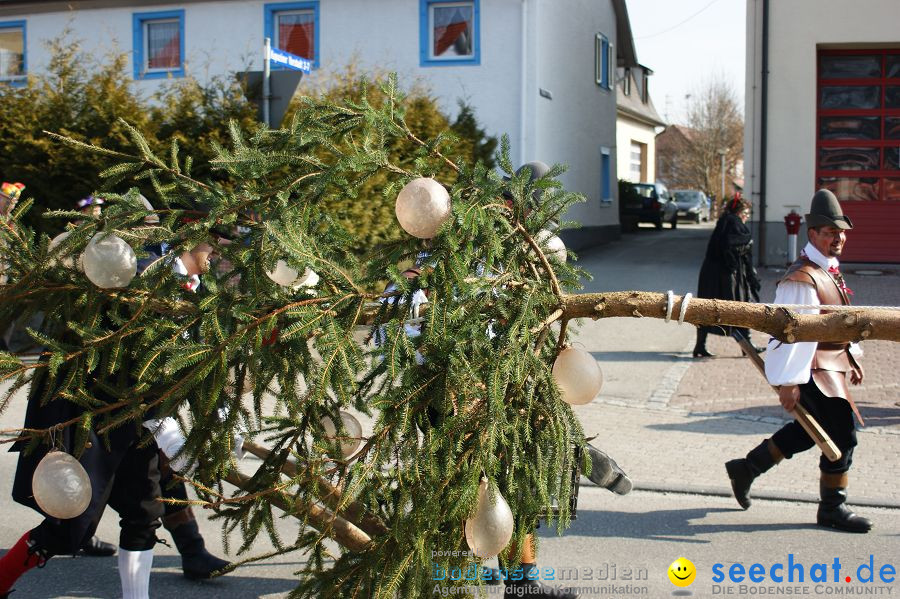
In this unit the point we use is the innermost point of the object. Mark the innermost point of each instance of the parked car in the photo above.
(646, 203)
(692, 204)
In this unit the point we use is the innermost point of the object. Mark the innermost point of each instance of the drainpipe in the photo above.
(763, 137)
(523, 93)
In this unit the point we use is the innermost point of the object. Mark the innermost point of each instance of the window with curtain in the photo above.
(12, 50)
(449, 32)
(159, 44)
(295, 32)
(294, 27)
(163, 44)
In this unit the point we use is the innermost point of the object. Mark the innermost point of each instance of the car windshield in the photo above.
(686, 196)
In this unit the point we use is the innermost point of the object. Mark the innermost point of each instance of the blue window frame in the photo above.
(294, 27)
(158, 44)
(449, 32)
(13, 57)
(605, 176)
(604, 61)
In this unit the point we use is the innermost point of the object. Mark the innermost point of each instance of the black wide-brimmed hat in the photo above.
(825, 211)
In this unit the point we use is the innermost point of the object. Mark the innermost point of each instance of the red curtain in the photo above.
(297, 38)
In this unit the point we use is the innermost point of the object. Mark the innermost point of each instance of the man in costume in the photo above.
(813, 374)
(123, 474)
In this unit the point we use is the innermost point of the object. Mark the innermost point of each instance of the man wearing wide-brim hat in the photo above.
(813, 374)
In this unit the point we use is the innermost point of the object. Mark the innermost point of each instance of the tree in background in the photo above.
(690, 157)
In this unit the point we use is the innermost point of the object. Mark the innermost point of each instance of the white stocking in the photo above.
(134, 572)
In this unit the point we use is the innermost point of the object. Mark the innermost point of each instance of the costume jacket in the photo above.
(831, 361)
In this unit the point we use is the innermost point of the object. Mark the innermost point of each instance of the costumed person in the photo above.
(197, 563)
(813, 374)
(727, 272)
(123, 472)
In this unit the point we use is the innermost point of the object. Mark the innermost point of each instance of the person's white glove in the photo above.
(238, 448)
(170, 441)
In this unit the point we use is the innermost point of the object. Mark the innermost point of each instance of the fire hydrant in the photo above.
(792, 223)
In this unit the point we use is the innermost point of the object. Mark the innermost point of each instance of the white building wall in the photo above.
(581, 117)
(796, 29)
(628, 130)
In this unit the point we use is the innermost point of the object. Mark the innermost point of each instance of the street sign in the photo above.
(291, 61)
(283, 85)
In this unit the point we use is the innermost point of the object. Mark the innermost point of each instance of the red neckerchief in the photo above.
(840, 279)
(835, 274)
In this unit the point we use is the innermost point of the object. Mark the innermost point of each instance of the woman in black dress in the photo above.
(727, 272)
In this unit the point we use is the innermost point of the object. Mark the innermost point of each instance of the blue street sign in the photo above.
(291, 61)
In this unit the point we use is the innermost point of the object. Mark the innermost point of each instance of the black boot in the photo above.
(743, 471)
(196, 562)
(606, 473)
(833, 511)
(94, 547)
(530, 586)
(700, 350)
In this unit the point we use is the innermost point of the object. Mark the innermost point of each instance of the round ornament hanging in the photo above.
(353, 439)
(61, 486)
(109, 262)
(488, 532)
(578, 376)
(287, 276)
(422, 207)
(552, 246)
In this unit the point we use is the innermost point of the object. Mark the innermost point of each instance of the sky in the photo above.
(685, 43)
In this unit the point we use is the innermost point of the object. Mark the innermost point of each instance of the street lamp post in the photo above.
(722, 197)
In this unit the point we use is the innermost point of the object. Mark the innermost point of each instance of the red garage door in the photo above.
(858, 146)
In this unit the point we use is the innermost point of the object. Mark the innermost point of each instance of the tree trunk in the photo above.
(781, 323)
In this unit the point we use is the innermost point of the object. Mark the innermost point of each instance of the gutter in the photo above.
(523, 92)
(763, 137)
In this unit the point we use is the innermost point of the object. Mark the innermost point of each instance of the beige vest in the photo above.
(832, 361)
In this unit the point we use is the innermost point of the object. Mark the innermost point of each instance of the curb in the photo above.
(889, 504)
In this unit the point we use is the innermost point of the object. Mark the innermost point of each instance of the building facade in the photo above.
(823, 111)
(541, 75)
(636, 124)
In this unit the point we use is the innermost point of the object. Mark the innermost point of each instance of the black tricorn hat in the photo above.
(825, 211)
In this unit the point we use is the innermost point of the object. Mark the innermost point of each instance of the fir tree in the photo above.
(152, 347)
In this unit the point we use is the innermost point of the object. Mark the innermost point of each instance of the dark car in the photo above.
(692, 204)
(646, 203)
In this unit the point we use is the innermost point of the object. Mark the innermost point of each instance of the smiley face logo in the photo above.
(682, 572)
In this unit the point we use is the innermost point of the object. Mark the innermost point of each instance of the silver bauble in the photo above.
(578, 376)
(552, 246)
(61, 486)
(109, 262)
(488, 532)
(422, 207)
(68, 261)
(287, 276)
(351, 440)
